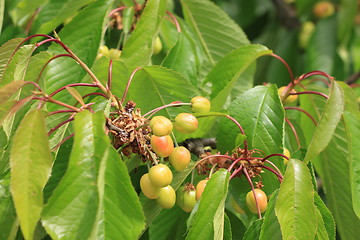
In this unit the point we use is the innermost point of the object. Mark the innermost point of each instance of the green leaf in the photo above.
(170, 224)
(162, 86)
(24, 9)
(8, 90)
(321, 230)
(228, 71)
(271, 228)
(318, 55)
(30, 164)
(138, 48)
(346, 15)
(253, 231)
(217, 32)
(208, 222)
(295, 207)
(326, 217)
(6, 50)
(82, 36)
(227, 228)
(334, 162)
(182, 59)
(8, 221)
(70, 212)
(56, 12)
(2, 7)
(329, 119)
(261, 115)
(353, 136)
(127, 19)
(151, 208)
(120, 215)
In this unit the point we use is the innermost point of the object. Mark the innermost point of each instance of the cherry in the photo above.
(167, 197)
(200, 188)
(149, 190)
(261, 199)
(236, 206)
(180, 158)
(290, 98)
(160, 175)
(186, 123)
(323, 9)
(157, 46)
(286, 153)
(162, 146)
(200, 104)
(161, 126)
(189, 200)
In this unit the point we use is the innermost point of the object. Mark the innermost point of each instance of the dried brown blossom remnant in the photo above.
(130, 131)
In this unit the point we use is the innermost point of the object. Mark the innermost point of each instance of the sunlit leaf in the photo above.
(326, 216)
(6, 51)
(295, 207)
(30, 164)
(208, 222)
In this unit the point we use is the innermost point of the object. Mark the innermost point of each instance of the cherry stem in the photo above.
(311, 92)
(233, 164)
(47, 63)
(95, 93)
(109, 83)
(212, 170)
(236, 171)
(273, 171)
(313, 73)
(294, 131)
(64, 140)
(35, 84)
(175, 21)
(354, 85)
(174, 138)
(274, 155)
(61, 111)
(303, 111)
(25, 40)
(253, 191)
(286, 65)
(214, 155)
(276, 168)
(59, 125)
(116, 10)
(128, 84)
(241, 130)
(176, 104)
(72, 85)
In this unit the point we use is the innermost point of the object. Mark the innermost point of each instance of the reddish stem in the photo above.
(274, 155)
(276, 168)
(354, 85)
(109, 83)
(64, 140)
(313, 73)
(241, 130)
(35, 84)
(253, 190)
(236, 172)
(95, 93)
(178, 104)
(59, 125)
(273, 171)
(61, 111)
(286, 65)
(128, 84)
(303, 111)
(175, 21)
(236, 161)
(294, 131)
(311, 92)
(72, 85)
(116, 10)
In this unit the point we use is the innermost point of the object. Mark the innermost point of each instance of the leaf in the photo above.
(6, 51)
(295, 207)
(30, 163)
(329, 119)
(23, 11)
(229, 69)
(8, 109)
(2, 7)
(318, 55)
(237, 227)
(8, 221)
(261, 115)
(138, 49)
(8, 90)
(76, 95)
(82, 36)
(151, 208)
(182, 59)
(346, 14)
(127, 19)
(170, 224)
(120, 214)
(217, 32)
(353, 136)
(162, 86)
(227, 228)
(208, 222)
(70, 212)
(56, 12)
(270, 228)
(253, 231)
(326, 217)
